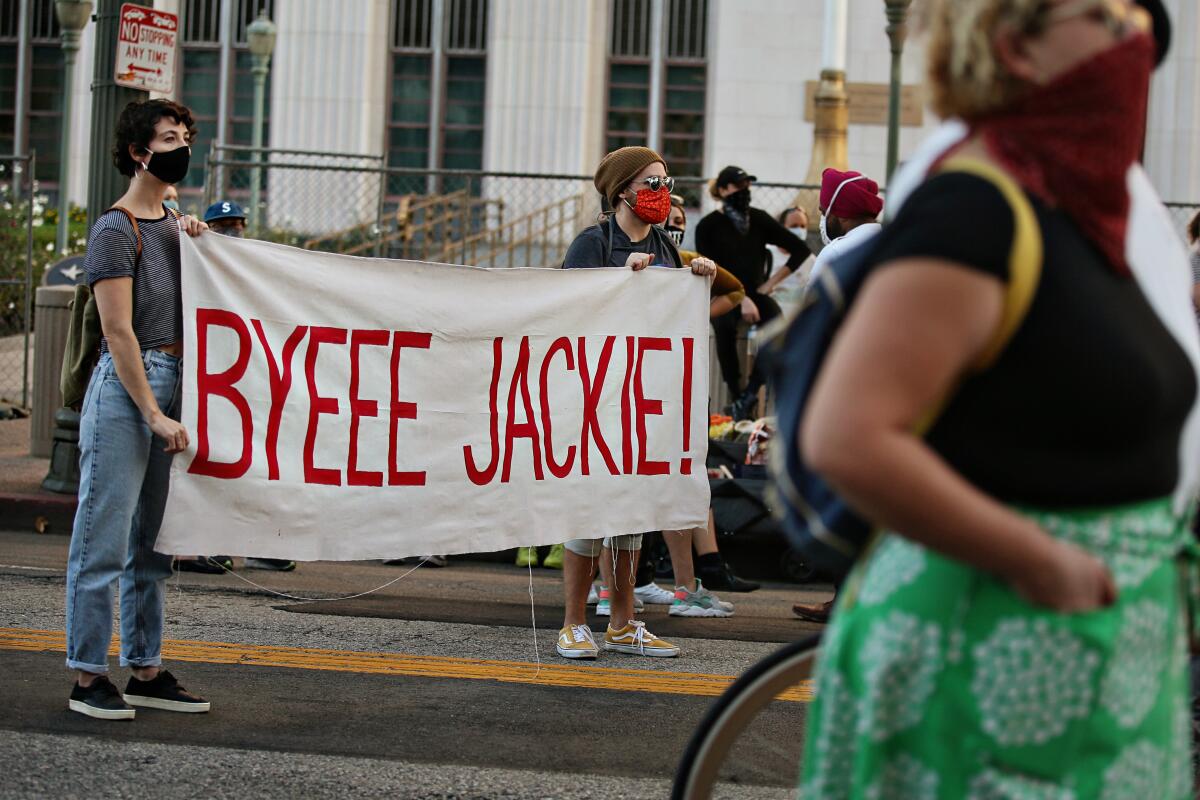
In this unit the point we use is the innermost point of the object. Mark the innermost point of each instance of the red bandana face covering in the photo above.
(651, 207)
(1073, 141)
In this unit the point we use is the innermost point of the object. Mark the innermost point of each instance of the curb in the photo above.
(44, 512)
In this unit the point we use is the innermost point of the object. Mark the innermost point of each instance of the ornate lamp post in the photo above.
(72, 17)
(897, 31)
(832, 116)
(260, 35)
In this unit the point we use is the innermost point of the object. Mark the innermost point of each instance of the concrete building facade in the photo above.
(543, 85)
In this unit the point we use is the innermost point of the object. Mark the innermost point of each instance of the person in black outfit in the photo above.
(736, 237)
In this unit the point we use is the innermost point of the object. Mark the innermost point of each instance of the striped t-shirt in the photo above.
(112, 253)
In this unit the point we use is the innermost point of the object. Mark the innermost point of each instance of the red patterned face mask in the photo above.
(650, 206)
(1073, 141)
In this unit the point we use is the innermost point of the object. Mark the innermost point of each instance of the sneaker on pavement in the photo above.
(205, 565)
(604, 602)
(554, 559)
(577, 641)
(718, 602)
(723, 578)
(698, 603)
(636, 640)
(164, 692)
(101, 700)
(527, 557)
(276, 564)
(654, 594)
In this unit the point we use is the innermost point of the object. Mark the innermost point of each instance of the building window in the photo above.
(677, 106)
(201, 89)
(44, 87)
(436, 125)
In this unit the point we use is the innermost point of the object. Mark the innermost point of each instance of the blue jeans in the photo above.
(123, 479)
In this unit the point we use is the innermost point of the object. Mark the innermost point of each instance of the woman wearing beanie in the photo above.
(634, 181)
(736, 237)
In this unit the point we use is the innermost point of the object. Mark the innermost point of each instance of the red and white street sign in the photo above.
(146, 49)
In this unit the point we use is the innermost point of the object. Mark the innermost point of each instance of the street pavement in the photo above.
(431, 687)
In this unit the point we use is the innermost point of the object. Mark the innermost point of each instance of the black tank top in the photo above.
(1086, 405)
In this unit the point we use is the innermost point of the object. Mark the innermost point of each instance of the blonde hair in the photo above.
(966, 79)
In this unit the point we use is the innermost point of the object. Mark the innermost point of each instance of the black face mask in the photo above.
(740, 199)
(171, 166)
(675, 233)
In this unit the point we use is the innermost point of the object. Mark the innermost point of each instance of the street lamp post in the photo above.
(72, 17)
(897, 31)
(260, 35)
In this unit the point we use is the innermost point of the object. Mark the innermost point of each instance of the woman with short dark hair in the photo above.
(129, 427)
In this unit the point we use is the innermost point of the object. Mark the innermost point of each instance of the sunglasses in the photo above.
(655, 182)
(1119, 16)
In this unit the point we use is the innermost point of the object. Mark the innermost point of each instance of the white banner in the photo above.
(346, 408)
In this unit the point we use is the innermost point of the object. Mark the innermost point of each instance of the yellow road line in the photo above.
(579, 675)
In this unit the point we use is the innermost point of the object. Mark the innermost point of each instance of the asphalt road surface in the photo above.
(433, 687)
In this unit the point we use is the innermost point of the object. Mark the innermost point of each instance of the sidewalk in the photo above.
(24, 506)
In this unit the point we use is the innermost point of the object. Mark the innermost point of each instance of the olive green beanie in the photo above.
(621, 166)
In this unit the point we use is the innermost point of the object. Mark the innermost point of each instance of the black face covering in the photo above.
(676, 234)
(171, 166)
(740, 199)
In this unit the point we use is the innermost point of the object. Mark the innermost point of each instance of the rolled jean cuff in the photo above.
(95, 669)
(138, 663)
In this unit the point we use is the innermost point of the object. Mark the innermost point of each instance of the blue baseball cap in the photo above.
(224, 209)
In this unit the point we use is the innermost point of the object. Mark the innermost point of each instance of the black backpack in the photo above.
(819, 523)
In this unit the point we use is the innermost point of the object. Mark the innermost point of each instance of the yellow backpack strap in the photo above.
(1024, 261)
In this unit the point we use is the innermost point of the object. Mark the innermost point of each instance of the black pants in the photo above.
(725, 328)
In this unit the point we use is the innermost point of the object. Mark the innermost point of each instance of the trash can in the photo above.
(53, 319)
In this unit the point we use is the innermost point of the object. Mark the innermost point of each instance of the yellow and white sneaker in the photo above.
(577, 641)
(636, 640)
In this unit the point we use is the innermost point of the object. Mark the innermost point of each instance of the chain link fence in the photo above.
(19, 206)
(349, 204)
(1183, 214)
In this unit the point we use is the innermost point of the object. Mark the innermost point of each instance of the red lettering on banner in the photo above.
(280, 384)
(646, 407)
(557, 470)
(221, 385)
(685, 464)
(319, 405)
(592, 390)
(524, 430)
(626, 427)
(479, 477)
(400, 340)
(360, 408)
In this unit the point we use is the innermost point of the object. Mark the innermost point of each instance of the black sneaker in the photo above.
(206, 565)
(163, 692)
(276, 564)
(723, 579)
(100, 700)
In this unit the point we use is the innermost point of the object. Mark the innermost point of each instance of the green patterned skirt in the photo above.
(937, 682)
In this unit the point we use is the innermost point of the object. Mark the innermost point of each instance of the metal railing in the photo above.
(1183, 214)
(20, 207)
(354, 204)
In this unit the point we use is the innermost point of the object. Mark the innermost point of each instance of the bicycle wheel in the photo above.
(734, 711)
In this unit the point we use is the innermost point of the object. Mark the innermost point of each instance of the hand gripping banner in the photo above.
(350, 408)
